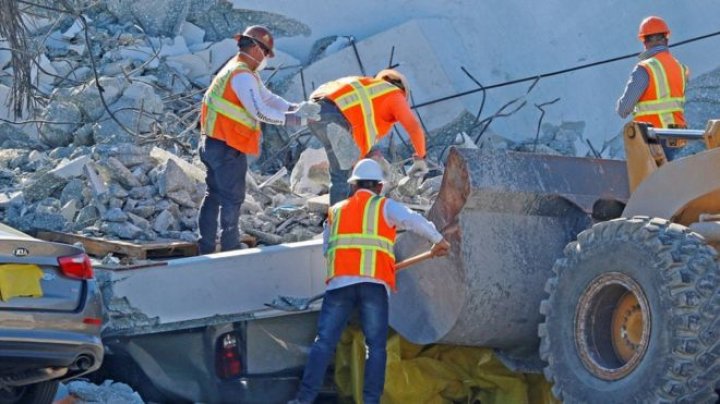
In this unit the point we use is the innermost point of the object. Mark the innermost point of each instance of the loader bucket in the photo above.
(508, 216)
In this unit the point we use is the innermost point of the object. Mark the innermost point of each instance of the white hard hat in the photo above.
(366, 169)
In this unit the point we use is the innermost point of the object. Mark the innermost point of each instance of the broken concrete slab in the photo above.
(115, 215)
(136, 97)
(43, 186)
(193, 34)
(97, 184)
(123, 230)
(73, 189)
(43, 73)
(171, 178)
(164, 221)
(182, 198)
(72, 168)
(162, 156)
(87, 97)
(190, 66)
(156, 18)
(69, 118)
(74, 29)
(172, 47)
(311, 173)
(318, 204)
(295, 270)
(219, 53)
(119, 172)
(70, 209)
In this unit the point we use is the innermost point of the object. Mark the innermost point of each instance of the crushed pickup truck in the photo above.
(197, 328)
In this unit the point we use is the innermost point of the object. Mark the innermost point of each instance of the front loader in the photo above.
(602, 274)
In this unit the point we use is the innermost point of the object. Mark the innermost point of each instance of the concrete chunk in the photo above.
(96, 183)
(121, 174)
(164, 221)
(193, 34)
(197, 173)
(172, 178)
(318, 204)
(72, 168)
(311, 173)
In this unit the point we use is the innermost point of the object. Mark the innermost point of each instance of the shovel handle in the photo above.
(413, 260)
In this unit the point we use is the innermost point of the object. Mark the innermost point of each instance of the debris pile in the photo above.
(107, 147)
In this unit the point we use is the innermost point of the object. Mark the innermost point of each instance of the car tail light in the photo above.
(227, 357)
(76, 266)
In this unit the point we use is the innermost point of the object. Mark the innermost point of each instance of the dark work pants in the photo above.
(225, 180)
(371, 300)
(330, 113)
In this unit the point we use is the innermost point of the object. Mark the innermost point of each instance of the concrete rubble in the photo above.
(121, 163)
(130, 170)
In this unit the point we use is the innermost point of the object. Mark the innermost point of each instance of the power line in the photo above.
(555, 73)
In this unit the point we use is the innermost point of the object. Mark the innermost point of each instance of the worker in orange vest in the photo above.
(232, 109)
(655, 92)
(358, 243)
(356, 112)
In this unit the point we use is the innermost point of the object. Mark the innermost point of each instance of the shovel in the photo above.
(288, 303)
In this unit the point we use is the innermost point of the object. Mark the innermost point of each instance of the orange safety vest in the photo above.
(361, 241)
(663, 101)
(358, 98)
(223, 116)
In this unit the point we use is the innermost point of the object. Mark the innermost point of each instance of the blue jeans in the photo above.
(330, 113)
(225, 180)
(372, 301)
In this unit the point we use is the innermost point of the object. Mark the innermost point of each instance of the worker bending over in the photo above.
(356, 112)
(358, 243)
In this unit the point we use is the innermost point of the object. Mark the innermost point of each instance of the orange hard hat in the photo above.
(261, 35)
(653, 25)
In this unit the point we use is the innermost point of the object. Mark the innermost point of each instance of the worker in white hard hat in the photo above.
(356, 113)
(358, 242)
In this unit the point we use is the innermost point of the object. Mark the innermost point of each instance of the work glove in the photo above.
(440, 249)
(309, 110)
(292, 118)
(419, 168)
(300, 115)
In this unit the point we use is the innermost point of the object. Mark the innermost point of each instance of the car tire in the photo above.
(39, 393)
(633, 316)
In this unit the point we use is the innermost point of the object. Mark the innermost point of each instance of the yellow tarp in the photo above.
(436, 374)
(20, 280)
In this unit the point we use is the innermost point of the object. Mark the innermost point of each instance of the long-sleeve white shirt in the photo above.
(398, 216)
(258, 100)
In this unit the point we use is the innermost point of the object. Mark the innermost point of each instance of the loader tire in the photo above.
(633, 316)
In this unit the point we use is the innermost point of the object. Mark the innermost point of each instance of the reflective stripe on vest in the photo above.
(363, 96)
(217, 104)
(368, 242)
(664, 105)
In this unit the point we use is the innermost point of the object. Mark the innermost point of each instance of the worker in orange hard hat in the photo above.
(232, 109)
(356, 112)
(655, 92)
